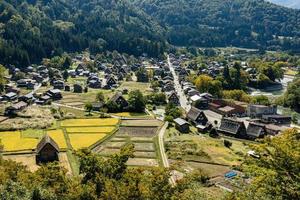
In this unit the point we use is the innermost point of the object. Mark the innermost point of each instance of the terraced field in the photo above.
(89, 122)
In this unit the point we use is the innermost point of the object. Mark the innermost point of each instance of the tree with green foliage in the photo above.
(142, 75)
(100, 97)
(261, 100)
(172, 112)
(291, 97)
(88, 108)
(205, 83)
(65, 75)
(2, 78)
(275, 175)
(136, 101)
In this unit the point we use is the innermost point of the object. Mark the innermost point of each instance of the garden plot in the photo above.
(142, 123)
(143, 162)
(104, 129)
(115, 145)
(85, 140)
(144, 147)
(89, 122)
(29, 160)
(138, 131)
(141, 154)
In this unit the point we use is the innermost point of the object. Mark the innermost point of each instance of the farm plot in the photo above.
(58, 137)
(104, 129)
(141, 122)
(89, 122)
(85, 140)
(144, 147)
(143, 162)
(138, 131)
(29, 160)
(13, 141)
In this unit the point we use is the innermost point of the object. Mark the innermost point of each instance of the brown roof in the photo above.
(255, 130)
(193, 113)
(231, 126)
(46, 140)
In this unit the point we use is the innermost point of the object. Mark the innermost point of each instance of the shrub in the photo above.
(227, 143)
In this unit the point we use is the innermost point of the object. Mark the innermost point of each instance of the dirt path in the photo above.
(164, 157)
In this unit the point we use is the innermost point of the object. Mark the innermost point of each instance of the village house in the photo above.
(28, 98)
(47, 150)
(173, 98)
(232, 127)
(111, 82)
(196, 116)
(54, 94)
(182, 125)
(119, 100)
(277, 119)
(43, 100)
(11, 96)
(256, 130)
(257, 111)
(15, 108)
(58, 84)
(226, 108)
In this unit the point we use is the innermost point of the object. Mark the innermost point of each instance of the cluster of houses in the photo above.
(236, 119)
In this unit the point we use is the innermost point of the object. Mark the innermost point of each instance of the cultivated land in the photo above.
(192, 151)
(71, 134)
(141, 135)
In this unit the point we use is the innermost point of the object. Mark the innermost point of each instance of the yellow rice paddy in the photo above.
(12, 141)
(79, 141)
(89, 122)
(58, 137)
(104, 129)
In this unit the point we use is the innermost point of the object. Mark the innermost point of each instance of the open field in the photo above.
(85, 140)
(104, 129)
(143, 162)
(30, 161)
(138, 131)
(13, 141)
(33, 117)
(132, 85)
(89, 122)
(204, 148)
(141, 122)
(80, 99)
(144, 147)
(58, 137)
(133, 115)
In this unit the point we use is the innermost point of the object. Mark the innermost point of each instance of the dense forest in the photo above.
(33, 29)
(243, 23)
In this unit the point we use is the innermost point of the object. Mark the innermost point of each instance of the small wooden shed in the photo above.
(47, 150)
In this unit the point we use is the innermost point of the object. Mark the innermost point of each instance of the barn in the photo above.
(47, 150)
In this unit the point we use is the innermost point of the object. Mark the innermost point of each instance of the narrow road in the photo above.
(182, 98)
(164, 157)
(66, 106)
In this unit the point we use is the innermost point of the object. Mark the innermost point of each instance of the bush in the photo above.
(227, 143)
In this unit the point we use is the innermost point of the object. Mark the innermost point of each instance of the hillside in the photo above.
(33, 29)
(287, 3)
(244, 23)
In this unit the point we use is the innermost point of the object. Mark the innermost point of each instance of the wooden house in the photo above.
(77, 88)
(182, 125)
(47, 150)
(277, 119)
(196, 116)
(120, 100)
(255, 130)
(232, 127)
(173, 98)
(15, 108)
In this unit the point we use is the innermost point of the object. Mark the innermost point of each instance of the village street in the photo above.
(182, 97)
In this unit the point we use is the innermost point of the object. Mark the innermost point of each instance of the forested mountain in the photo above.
(288, 3)
(33, 29)
(245, 23)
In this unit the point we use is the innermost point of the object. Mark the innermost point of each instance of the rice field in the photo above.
(79, 141)
(58, 137)
(89, 122)
(104, 129)
(13, 141)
